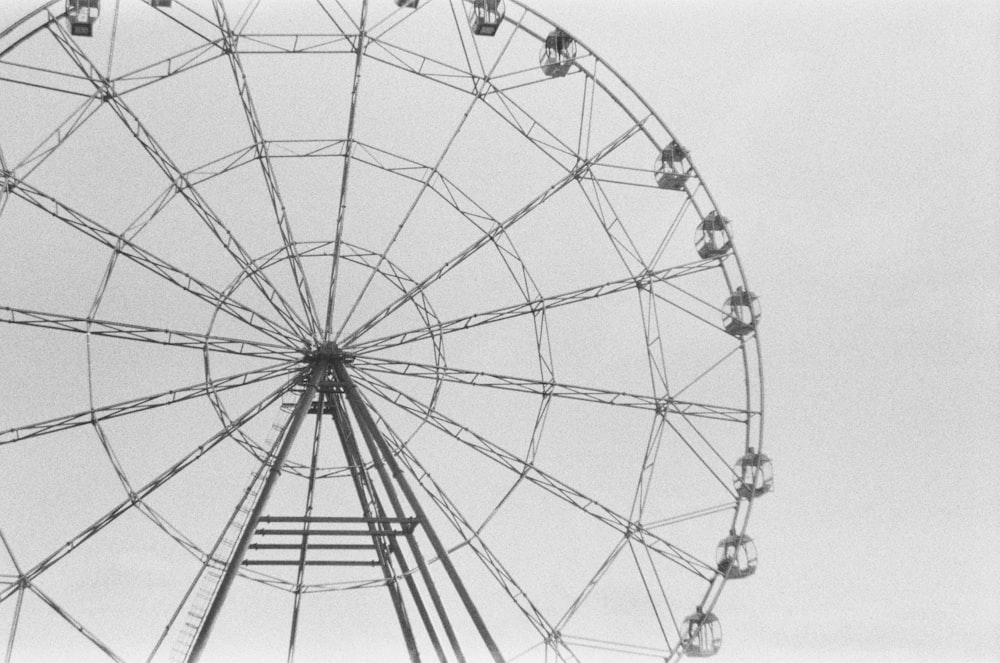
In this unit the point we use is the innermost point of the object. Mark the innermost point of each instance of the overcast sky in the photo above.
(856, 147)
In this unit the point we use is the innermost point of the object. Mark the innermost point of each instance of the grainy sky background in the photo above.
(856, 146)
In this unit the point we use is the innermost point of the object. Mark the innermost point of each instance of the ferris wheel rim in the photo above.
(711, 595)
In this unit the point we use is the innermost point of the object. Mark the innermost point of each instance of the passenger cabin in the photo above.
(409, 4)
(558, 54)
(486, 17)
(754, 474)
(671, 173)
(742, 311)
(736, 556)
(82, 14)
(161, 3)
(702, 634)
(713, 238)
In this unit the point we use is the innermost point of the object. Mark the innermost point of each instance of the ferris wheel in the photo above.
(360, 329)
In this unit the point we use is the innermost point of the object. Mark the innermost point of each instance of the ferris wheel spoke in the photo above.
(23, 74)
(177, 176)
(143, 403)
(726, 485)
(508, 110)
(411, 62)
(639, 282)
(491, 236)
(651, 585)
(498, 230)
(333, 19)
(709, 370)
(168, 67)
(263, 157)
(359, 47)
(72, 621)
(460, 33)
(425, 184)
(136, 499)
(470, 535)
(144, 334)
(653, 337)
(731, 472)
(123, 246)
(37, 156)
(592, 583)
(552, 388)
(691, 515)
(559, 489)
(622, 243)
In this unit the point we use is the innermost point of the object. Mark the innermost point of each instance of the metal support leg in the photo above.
(379, 447)
(298, 415)
(358, 475)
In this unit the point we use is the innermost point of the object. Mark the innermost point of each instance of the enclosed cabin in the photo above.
(82, 14)
(754, 474)
(741, 313)
(736, 556)
(671, 171)
(702, 634)
(558, 54)
(161, 3)
(712, 240)
(408, 4)
(486, 17)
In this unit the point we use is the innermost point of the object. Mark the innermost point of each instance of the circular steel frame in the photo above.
(284, 323)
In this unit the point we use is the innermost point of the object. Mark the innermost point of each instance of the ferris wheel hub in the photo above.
(327, 351)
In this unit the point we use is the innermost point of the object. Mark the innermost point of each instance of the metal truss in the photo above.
(471, 276)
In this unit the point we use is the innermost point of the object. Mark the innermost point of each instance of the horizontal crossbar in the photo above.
(334, 532)
(313, 546)
(288, 562)
(337, 519)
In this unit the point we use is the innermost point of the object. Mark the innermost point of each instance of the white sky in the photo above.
(856, 146)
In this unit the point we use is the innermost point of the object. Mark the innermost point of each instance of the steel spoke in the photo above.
(663, 405)
(359, 47)
(641, 281)
(136, 499)
(84, 631)
(161, 336)
(469, 534)
(466, 436)
(425, 184)
(146, 259)
(264, 159)
(144, 403)
(178, 177)
(490, 236)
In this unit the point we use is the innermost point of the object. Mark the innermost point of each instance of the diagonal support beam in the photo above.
(373, 433)
(229, 42)
(236, 559)
(644, 281)
(145, 259)
(179, 178)
(144, 334)
(490, 237)
(125, 408)
(662, 405)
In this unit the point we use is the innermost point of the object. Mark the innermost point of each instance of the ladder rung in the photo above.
(313, 546)
(334, 532)
(287, 562)
(338, 519)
